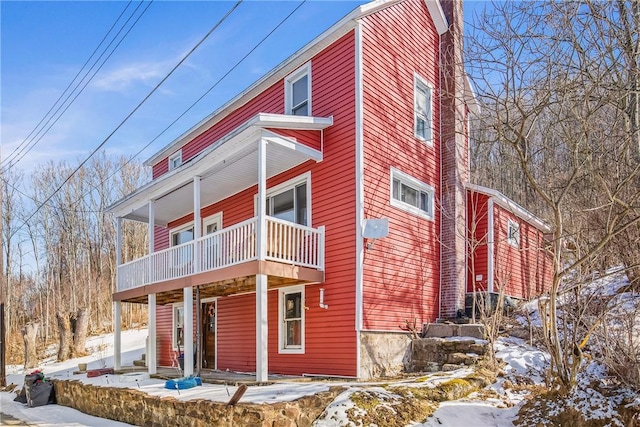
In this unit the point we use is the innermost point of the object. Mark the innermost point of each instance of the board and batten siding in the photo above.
(330, 338)
(478, 239)
(400, 272)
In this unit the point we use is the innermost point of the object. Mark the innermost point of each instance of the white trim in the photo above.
(437, 15)
(288, 185)
(211, 219)
(515, 242)
(174, 338)
(179, 229)
(419, 81)
(359, 177)
(152, 357)
(175, 160)
(490, 245)
(511, 206)
(305, 70)
(281, 330)
(419, 185)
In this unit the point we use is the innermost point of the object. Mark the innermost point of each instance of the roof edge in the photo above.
(511, 206)
(438, 16)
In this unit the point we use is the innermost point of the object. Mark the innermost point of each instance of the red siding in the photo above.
(331, 345)
(522, 272)
(478, 229)
(401, 272)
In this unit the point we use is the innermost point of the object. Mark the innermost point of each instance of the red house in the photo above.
(301, 227)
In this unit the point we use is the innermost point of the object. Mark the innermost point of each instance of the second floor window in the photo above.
(298, 92)
(422, 110)
(175, 160)
(411, 195)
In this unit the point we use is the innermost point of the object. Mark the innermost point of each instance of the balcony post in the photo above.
(118, 250)
(262, 350)
(117, 332)
(197, 224)
(152, 238)
(188, 331)
(152, 362)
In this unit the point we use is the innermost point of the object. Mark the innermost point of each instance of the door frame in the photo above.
(215, 332)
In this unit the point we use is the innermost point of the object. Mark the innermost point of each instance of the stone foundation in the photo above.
(135, 407)
(383, 354)
(440, 354)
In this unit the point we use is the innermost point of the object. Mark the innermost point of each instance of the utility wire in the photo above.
(184, 58)
(19, 147)
(203, 95)
(34, 141)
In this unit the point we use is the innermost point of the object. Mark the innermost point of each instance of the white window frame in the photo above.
(286, 186)
(282, 348)
(175, 160)
(215, 218)
(180, 229)
(513, 233)
(420, 83)
(174, 325)
(288, 85)
(416, 184)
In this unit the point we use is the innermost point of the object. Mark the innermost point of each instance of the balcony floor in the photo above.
(232, 280)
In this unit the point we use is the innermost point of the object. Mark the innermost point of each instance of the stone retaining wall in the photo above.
(135, 407)
(440, 354)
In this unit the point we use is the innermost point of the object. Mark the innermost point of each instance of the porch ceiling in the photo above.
(227, 167)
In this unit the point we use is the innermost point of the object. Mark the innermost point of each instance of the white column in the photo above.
(197, 224)
(117, 305)
(188, 331)
(118, 250)
(262, 336)
(152, 238)
(152, 361)
(117, 333)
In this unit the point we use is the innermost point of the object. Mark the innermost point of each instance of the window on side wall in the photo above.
(178, 326)
(291, 314)
(423, 121)
(297, 91)
(411, 194)
(175, 160)
(513, 233)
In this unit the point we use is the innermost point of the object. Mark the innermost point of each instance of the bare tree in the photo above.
(558, 85)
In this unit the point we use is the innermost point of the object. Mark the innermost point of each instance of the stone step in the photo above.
(139, 363)
(444, 330)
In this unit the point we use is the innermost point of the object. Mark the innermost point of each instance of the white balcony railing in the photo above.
(285, 242)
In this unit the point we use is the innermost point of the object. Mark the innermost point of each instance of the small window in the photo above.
(411, 194)
(513, 233)
(292, 320)
(298, 92)
(178, 326)
(175, 160)
(422, 110)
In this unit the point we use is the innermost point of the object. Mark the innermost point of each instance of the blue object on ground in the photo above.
(182, 383)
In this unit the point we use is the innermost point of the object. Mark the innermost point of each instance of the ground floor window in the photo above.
(178, 326)
(291, 316)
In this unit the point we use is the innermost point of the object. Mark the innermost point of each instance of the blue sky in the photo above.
(45, 43)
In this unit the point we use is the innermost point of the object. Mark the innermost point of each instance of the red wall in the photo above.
(523, 272)
(478, 229)
(401, 271)
(330, 340)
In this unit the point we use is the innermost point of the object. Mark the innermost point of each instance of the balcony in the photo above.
(287, 243)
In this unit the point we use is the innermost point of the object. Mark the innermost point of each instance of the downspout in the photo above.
(359, 180)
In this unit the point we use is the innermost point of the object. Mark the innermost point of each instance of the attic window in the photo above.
(297, 92)
(513, 234)
(175, 160)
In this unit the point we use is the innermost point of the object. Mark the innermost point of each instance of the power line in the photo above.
(32, 143)
(184, 58)
(205, 93)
